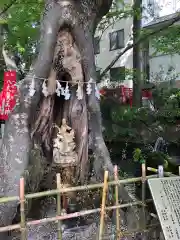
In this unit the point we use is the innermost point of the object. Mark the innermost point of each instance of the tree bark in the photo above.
(82, 17)
(16, 144)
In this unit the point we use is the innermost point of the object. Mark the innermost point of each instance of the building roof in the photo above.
(162, 20)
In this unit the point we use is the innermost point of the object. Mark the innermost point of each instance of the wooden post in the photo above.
(118, 232)
(59, 229)
(22, 210)
(103, 204)
(179, 170)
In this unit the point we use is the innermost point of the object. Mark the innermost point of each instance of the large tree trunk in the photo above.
(81, 17)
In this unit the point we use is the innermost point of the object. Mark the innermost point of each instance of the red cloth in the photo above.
(7, 95)
(102, 92)
(147, 94)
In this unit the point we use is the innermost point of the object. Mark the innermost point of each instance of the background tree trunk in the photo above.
(137, 54)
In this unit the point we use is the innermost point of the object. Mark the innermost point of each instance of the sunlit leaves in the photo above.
(23, 19)
(119, 10)
(167, 42)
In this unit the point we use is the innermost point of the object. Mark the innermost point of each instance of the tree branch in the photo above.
(10, 64)
(7, 7)
(140, 40)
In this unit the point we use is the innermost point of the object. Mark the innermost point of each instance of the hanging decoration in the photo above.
(89, 87)
(44, 88)
(66, 92)
(79, 92)
(32, 88)
(97, 94)
(58, 89)
(7, 95)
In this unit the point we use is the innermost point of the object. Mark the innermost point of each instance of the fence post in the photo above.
(143, 169)
(118, 232)
(22, 210)
(104, 193)
(59, 229)
(160, 171)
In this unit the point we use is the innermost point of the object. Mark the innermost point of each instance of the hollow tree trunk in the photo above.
(16, 144)
(82, 17)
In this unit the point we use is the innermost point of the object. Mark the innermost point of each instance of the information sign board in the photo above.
(166, 196)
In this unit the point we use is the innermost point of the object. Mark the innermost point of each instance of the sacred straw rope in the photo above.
(40, 78)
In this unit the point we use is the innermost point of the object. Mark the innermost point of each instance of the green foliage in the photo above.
(168, 101)
(1, 79)
(168, 41)
(122, 122)
(138, 156)
(119, 10)
(143, 126)
(158, 157)
(151, 158)
(23, 19)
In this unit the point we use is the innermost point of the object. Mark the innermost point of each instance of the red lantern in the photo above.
(102, 92)
(146, 94)
(7, 95)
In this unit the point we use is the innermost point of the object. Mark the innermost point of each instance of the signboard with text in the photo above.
(166, 196)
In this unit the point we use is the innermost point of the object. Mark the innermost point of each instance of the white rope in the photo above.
(64, 91)
(40, 78)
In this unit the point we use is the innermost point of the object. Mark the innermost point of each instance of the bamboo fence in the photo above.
(23, 225)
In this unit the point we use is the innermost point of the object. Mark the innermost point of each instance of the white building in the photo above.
(116, 37)
(111, 42)
(163, 67)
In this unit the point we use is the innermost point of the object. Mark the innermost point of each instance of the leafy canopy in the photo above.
(23, 19)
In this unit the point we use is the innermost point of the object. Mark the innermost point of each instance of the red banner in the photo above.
(7, 95)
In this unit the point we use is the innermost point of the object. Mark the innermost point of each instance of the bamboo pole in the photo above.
(143, 168)
(59, 229)
(118, 231)
(73, 189)
(155, 170)
(71, 215)
(22, 209)
(103, 205)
